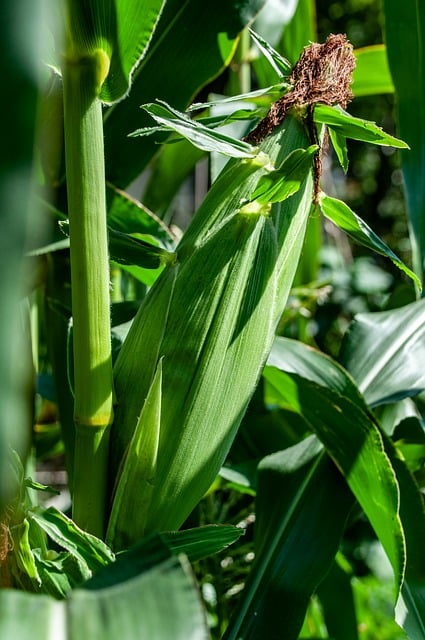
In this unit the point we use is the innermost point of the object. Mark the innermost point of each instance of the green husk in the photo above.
(234, 269)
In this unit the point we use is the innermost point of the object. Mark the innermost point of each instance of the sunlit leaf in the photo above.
(64, 532)
(355, 128)
(202, 542)
(197, 133)
(352, 439)
(384, 352)
(359, 231)
(302, 505)
(283, 182)
(182, 58)
(404, 36)
(372, 75)
(281, 66)
(339, 143)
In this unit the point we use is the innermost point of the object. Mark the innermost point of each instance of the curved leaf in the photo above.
(198, 134)
(302, 506)
(279, 64)
(203, 541)
(158, 604)
(283, 182)
(181, 59)
(355, 128)
(132, 28)
(359, 231)
(353, 440)
(405, 37)
(130, 250)
(385, 352)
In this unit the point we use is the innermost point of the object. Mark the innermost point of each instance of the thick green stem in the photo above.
(90, 289)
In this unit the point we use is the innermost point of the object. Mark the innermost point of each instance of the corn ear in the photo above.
(235, 265)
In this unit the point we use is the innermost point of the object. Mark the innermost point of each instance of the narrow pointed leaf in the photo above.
(158, 603)
(202, 542)
(280, 65)
(339, 143)
(128, 215)
(302, 506)
(182, 58)
(385, 351)
(353, 440)
(283, 182)
(130, 250)
(197, 133)
(355, 128)
(405, 36)
(252, 96)
(64, 532)
(360, 232)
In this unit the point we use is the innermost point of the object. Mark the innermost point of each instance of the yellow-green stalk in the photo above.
(83, 73)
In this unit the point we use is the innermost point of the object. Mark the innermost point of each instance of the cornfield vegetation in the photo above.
(212, 334)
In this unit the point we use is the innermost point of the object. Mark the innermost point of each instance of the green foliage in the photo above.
(172, 368)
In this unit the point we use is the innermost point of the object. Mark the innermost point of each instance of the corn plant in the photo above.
(152, 426)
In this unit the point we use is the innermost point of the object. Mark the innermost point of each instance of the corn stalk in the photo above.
(83, 74)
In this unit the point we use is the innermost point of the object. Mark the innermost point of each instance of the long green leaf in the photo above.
(371, 75)
(121, 29)
(353, 440)
(302, 506)
(283, 182)
(385, 351)
(159, 603)
(355, 128)
(198, 134)
(181, 59)
(360, 232)
(64, 532)
(202, 542)
(405, 38)
(280, 65)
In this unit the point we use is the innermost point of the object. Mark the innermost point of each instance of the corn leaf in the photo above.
(130, 250)
(122, 29)
(295, 543)
(360, 232)
(64, 532)
(182, 58)
(339, 143)
(202, 542)
(355, 128)
(372, 75)
(128, 215)
(384, 353)
(351, 437)
(283, 182)
(405, 37)
(158, 603)
(198, 134)
(279, 64)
